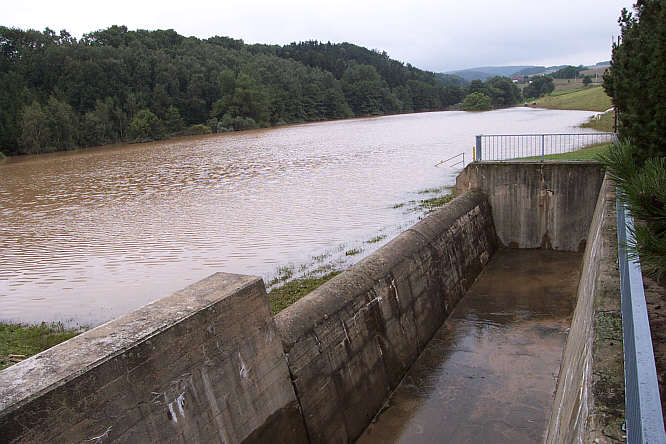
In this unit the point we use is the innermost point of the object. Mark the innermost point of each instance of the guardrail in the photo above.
(453, 163)
(644, 419)
(538, 146)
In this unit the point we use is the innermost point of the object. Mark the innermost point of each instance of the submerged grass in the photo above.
(376, 239)
(430, 205)
(285, 295)
(20, 341)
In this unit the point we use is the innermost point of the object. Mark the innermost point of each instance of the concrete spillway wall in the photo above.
(538, 205)
(349, 343)
(210, 364)
(202, 365)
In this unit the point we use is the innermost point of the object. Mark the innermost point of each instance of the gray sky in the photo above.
(434, 35)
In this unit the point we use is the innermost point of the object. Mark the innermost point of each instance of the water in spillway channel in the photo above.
(489, 373)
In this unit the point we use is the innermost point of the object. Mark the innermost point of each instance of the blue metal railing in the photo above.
(644, 420)
(537, 146)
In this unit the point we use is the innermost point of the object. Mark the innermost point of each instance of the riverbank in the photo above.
(590, 99)
(20, 341)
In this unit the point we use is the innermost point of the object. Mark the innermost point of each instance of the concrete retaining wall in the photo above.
(572, 397)
(538, 205)
(349, 343)
(207, 364)
(203, 365)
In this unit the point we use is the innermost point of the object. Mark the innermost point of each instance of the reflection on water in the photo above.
(87, 236)
(489, 374)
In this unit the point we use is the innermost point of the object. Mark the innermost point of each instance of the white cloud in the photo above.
(435, 35)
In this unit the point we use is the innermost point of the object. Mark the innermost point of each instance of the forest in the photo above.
(116, 85)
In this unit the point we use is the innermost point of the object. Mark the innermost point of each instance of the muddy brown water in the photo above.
(87, 236)
(489, 374)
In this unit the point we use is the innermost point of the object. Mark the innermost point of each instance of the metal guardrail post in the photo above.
(644, 420)
(543, 148)
(478, 148)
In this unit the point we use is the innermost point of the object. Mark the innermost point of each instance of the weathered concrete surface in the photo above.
(202, 365)
(582, 367)
(606, 402)
(538, 205)
(349, 342)
(487, 376)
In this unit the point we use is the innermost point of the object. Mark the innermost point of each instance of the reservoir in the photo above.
(88, 236)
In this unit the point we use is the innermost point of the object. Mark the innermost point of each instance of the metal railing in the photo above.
(538, 146)
(644, 420)
(452, 164)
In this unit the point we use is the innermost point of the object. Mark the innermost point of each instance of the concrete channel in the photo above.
(489, 373)
(455, 331)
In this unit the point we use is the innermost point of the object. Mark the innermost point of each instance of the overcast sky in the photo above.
(435, 35)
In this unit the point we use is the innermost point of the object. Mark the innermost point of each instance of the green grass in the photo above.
(18, 341)
(430, 205)
(588, 153)
(352, 252)
(588, 99)
(2, 156)
(430, 190)
(376, 239)
(285, 295)
(566, 91)
(605, 123)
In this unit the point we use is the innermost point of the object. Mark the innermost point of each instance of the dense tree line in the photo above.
(116, 85)
(637, 75)
(496, 92)
(568, 72)
(636, 82)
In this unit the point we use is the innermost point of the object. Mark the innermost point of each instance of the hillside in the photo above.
(116, 85)
(590, 99)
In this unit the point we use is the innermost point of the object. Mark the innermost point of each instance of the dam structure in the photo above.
(478, 319)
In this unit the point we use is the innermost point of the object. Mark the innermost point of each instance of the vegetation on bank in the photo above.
(293, 290)
(590, 152)
(288, 289)
(20, 341)
(116, 85)
(589, 99)
(605, 123)
(636, 82)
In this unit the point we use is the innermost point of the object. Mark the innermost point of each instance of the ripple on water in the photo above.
(106, 230)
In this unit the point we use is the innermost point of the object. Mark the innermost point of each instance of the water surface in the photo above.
(87, 236)
(489, 373)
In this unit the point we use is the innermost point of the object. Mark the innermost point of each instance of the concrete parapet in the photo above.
(538, 205)
(349, 342)
(202, 365)
(573, 396)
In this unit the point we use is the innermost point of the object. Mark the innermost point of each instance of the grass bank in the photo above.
(588, 99)
(19, 341)
(605, 123)
(591, 152)
(291, 291)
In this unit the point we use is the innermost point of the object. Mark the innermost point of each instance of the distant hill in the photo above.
(485, 72)
(450, 79)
